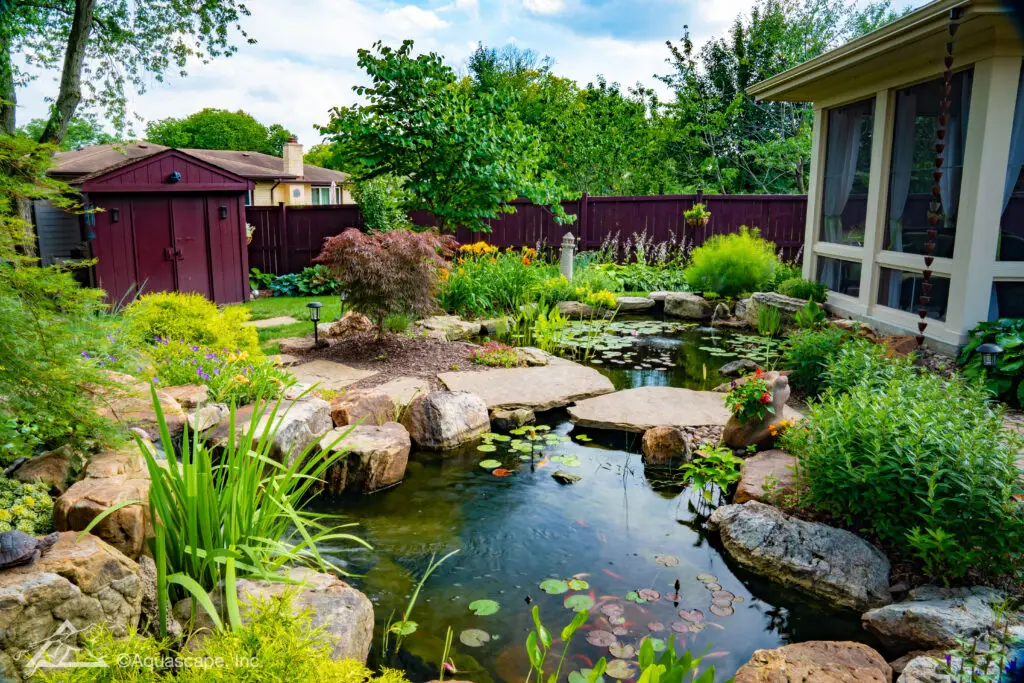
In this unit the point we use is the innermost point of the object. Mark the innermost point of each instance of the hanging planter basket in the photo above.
(698, 222)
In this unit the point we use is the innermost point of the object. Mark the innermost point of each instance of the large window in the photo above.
(902, 290)
(842, 277)
(321, 195)
(913, 164)
(1011, 227)
(1007, 300)
(847, 166)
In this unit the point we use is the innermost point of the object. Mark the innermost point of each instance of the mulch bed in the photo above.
(398, 355)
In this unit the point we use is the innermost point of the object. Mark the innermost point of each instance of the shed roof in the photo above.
(77, 164)
(899, 46)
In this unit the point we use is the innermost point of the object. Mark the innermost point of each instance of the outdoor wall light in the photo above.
(115, 215)
(314, 315)
(223, 211)
(174, 177)
(990, 354)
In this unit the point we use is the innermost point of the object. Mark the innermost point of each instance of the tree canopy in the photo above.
(219, 129)
(82, 131)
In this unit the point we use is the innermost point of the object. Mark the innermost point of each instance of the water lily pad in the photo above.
(490, 464)
(404, 628)
(722, 595)
(712, 587)
(738, 598)
(634, 596)
(482, 608)
(622, 650)
(693, 615)
(617, 620)
(600, 638)
(583, 437)
(500, 437)
(680, 627)
(579, 603)
(578, 584)
(721, 602)
(474, 637)
(667, 560)
(620, 669)
(583, 676)
(707, 578)
(721, 611)
(502, 472)
(612, 609)
(698, 627)
(649, 594)
(554, 586)
(657, 644)
(672, 597)
(487, 448)
(655, 627)
(620, 630)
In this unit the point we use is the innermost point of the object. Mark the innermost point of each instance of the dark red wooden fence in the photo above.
(288, 238)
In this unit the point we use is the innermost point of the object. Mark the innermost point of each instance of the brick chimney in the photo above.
(293, 157)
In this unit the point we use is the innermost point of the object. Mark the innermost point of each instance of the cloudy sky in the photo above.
(304, 62)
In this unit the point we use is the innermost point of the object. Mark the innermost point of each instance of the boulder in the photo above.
(756, 432)
(364, 406)
(130, 404)
(817, 661)
(933, 617)
(687, 306)
(149, 622)
(532, 356)
(442, 420)
(767, 475)
(377, 456)
(658, 296)
(635, 304)
(126, 529)
(404, 389)
(350, 323)
(541, 388)
(575, 309)
(829, 563)
(900, 346)
(739, 367)
(665, 446)
(931, 668)
(208, 416)
(453, 327)
(565, 478)
(506, 420)
(295, 346)
(52, 469)
(344, 614)
(189, 395)
(299, 424)
(126, 462)
(787, 305)
(900, 664)
(493, 326)
(85, 583)
(740, 310)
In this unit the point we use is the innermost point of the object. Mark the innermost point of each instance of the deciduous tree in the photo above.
(219, 129)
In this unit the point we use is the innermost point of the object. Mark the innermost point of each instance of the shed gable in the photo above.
(167, 171)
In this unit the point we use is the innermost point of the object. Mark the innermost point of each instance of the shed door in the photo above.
(192, 254)
(151, 219)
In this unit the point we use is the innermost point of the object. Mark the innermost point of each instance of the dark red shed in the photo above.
(169, 222)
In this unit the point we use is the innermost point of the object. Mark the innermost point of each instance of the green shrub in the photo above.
(382, 202)
(26, 507)
(733, 264)
(397, 322)
(231, 377)
(862, 362)
(1005, 380)
(799, 288)
(920, 462)
(554, 289)
(275, 645)
(642, 277)
(808, 353)
(486, 283)
(786, 270)
(599, 299)
(810, 316)
(189, 318)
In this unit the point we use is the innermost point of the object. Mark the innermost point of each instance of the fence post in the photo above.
(283, 261)
(584, 200)
(567, 256)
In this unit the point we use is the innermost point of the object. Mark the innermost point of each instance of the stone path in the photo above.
(328, 374)
(271, 322)
(637, 410)
(540, 388)
(404, 389)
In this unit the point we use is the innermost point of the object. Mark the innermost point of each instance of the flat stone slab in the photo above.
(634, 304)
(328, 374)
(271, 322)
(404, 389)
(540, 388)
(637, 410)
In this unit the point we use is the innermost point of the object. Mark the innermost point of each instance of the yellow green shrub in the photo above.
(190, 318)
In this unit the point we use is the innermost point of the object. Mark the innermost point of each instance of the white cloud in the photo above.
(544, 6)
(410, 18)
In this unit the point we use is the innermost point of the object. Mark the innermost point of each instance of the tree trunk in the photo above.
(8, 96)
(70, 93)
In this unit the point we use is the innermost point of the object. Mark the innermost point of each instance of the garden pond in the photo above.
(630, 547)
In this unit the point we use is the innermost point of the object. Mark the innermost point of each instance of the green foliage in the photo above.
(863, 362)
(600, 299)
(397, 322)
(786, 270)
(382, 202)
(493, 283)
(317, 281)
(640, 277)
(539, 642)
(537, 325)
(26, 507)
(914, 458)
(750, 399)
(1005, 380)
(769, 320)
(275, 644)
(260, 280)
(712, 465)
(697, 213)
(387, 272)
(733, 264)
(190, 318)
(418, 118)
(82, 131)
(807, 353)
(219, 129)
(231, 376)
(496, 355)
(799, 288)
(672, 665)
(810, 316)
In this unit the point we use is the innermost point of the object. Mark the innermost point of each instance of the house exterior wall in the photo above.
(265, 194)
(996, 57)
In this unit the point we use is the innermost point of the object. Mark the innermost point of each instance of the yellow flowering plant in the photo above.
(25, 507)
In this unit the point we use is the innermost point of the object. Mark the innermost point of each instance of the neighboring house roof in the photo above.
(898, 47)
(96, 159)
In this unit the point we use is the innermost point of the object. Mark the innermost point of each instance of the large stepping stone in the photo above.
(327, 374)
(404, 389)
(820, 661)
(271, 322)
(637, 410)
(540, 388)
(635, 304)
(832, 564)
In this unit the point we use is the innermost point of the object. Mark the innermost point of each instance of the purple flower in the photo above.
(110, 339)
(949, 660)
(85, 354)
(139, 368)
(112, 359)
(216, 371)
(194, 348)
(155, 380)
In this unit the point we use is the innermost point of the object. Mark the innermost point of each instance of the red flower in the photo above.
(766, 398)
(759, 373)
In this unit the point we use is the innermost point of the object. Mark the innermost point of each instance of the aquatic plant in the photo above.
(406, 627)
(810, 316)
(769, 320)
(539, 642)
(714, 465)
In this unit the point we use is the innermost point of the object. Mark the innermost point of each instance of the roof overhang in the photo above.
(917, 37)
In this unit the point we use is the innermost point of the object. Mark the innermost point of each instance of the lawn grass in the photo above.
(295, 306)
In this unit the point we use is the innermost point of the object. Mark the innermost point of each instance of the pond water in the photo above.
(625, 538)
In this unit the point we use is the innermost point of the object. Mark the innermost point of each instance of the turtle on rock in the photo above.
(18, 548)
